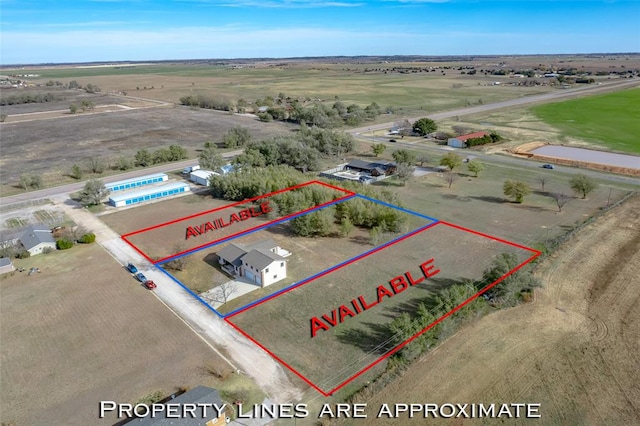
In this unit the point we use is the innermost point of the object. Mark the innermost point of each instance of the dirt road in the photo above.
(575, 350)
(236, 349)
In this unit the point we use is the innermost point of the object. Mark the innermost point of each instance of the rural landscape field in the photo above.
(297, 212)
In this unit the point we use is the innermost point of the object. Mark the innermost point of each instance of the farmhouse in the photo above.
(5, 265)
(199, 406)
(147, 194)
(201, 177)
(263, 262)
(461, 141)
(37, 238)
(122, 185)
(362, 171)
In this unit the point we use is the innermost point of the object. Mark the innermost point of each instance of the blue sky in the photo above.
(39, 31)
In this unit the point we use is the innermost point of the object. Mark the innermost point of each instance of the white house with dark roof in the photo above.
(5, 265)
(262, 263)
(37, 238)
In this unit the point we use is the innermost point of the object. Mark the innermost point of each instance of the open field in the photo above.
(330, 355)
(161, 240)
(309, 256)
(575, 349)
(480, 204)
(69, 342)
(51, 147)
(611, 120)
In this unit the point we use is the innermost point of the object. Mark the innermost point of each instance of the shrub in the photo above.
(87, 238)
(23, 254)
(64, 244)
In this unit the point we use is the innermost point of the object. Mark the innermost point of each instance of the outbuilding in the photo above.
(6, 266)
(461, 141)
(122, 185)
(201, 177)
(148, 194)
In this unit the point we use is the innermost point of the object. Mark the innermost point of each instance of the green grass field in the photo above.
(612, 120)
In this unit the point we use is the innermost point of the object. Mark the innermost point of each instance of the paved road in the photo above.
(77, 186)
(527, 100)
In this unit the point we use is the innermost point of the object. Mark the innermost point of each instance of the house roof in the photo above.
(4, 261)
(261, 258)
(258, 255)
(360, 164)
(232, 254)
(471, 136)
(125, 195)
(197, 395)
(35, 235)
(204, 174)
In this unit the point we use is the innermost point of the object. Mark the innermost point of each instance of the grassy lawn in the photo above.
(612, 120)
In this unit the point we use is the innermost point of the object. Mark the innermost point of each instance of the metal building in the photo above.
(123, 185)
(148, 194)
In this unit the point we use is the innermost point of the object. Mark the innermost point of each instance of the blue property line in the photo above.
(397, 208)
(338, 266)
(251, 231)
(191, 292)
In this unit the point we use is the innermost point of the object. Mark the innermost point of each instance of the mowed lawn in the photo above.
(83, 331)
(330, 357)
(612, 120)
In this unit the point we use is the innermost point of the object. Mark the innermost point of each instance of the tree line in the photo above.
(29, 98)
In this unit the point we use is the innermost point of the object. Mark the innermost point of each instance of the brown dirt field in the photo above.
(69, 342)
(575, 350)
(282, 324)
(52, 146)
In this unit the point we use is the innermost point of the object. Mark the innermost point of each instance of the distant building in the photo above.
(201, 177)
(461, 141)
(262, 263)
(36, 238)
(5, 265)
(147, 194)
(132, 183)
(201, 398)
(372, 168)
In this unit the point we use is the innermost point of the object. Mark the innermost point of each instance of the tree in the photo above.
(378, 148)
(96, 165)
(73, 108)
(451, 160)
(124, 163)
(405, 128)
(517, 190)
(402, 156)
(177, 153)
(581, 184)
(178, 263)
(143, 158)
(210, 158)
(76, 172)
(542, 180)
(561, 200)
(225, 291)
(475, 167)
(93, 192)
(422, 158)
(424, 126)
(236, 136)
(36, 181)
(404, 172)
(449, 178)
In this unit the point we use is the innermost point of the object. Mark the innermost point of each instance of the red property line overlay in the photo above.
(536, 253)
(125, 237)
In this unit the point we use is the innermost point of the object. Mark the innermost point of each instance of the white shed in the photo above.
(201, 177)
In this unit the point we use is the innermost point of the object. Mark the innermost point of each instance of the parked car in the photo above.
(392, 140)
(149, 285)
(140, 277)
(547, 166)
(132, 268)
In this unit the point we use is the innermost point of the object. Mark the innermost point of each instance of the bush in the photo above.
(87, 238)
(23, 254)
(64, 244)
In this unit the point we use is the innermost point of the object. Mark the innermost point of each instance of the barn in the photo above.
(122, 185)
(201, 177)
(461, 141)
(148, 194)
